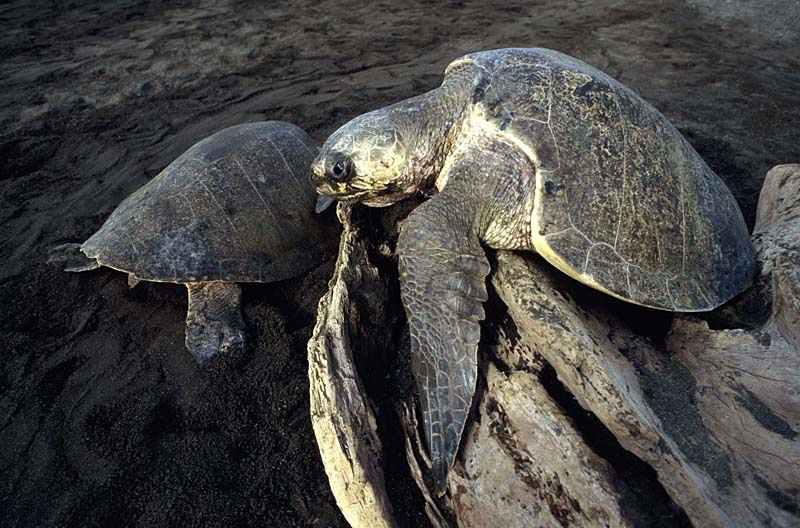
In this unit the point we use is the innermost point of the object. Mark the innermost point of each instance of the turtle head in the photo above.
(366, 160)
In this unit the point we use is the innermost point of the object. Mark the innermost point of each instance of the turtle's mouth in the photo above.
(328, 195)
(344, 195)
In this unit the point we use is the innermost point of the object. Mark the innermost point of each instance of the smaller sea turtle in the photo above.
(235, 207)
(531, 149)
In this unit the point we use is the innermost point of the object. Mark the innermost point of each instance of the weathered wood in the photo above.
(746, 394)
(716, 416)
(747, 382)
(341, 415)
(716, 412)
(577, 345)
(524, 462)
(777, 235)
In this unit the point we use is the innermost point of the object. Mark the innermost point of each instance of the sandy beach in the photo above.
(105, 419)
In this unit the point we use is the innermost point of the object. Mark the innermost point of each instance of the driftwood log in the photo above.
(589, 412)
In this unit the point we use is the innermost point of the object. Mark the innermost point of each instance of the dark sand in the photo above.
(104, 417)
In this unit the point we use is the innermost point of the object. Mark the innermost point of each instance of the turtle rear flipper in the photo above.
(71, 258)
(214, 321)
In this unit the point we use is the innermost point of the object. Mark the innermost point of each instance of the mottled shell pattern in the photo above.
(621, 201)
(237, 206)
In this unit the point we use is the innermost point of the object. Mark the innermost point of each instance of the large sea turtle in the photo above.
(235, 207)
(531, 149)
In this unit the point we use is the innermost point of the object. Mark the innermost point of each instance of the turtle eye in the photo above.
(338, 169)
(341, 168)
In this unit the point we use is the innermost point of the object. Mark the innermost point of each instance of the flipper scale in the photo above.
(443, 272)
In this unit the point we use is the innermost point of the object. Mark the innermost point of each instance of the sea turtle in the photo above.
(531, 149)
(235, 207)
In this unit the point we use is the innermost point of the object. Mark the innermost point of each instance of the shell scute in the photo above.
(623, 202)
(237, 206)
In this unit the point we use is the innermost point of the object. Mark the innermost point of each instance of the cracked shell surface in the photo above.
(622, 202)
(237, 206)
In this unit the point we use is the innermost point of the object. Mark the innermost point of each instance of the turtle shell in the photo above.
(237, 206)
(622, 202)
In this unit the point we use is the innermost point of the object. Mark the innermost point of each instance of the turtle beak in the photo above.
(318, 180)
(323, 202)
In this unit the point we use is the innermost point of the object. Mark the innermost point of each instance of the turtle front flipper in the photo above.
(443, 272)
(214, 321)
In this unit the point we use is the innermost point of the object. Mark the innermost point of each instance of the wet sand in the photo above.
(104, 417)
